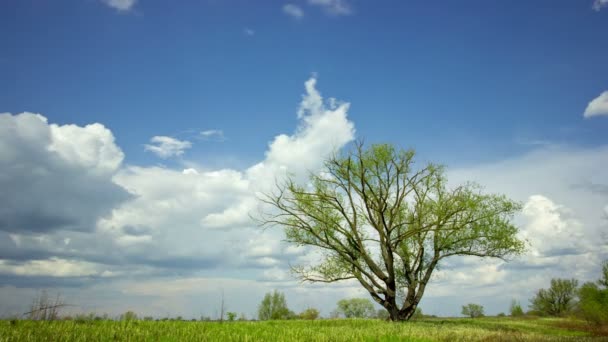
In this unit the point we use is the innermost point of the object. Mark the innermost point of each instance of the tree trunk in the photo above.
(402, 315)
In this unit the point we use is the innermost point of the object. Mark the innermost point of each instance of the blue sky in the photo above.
(482, 86)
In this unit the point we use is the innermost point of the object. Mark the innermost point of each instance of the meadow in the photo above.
(431, 329)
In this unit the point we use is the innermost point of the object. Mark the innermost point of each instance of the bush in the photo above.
(231, 316)
(515, 309)
(309, 314)
(472, 310)
(128, 316)
(502, 314)
(593, 299)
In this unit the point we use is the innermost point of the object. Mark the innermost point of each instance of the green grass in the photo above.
(481, 329)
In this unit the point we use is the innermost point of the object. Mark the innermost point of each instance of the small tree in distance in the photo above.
(383, 221)
(356, 308)
(472, 310)
(273, 306)
(515, 309)
(309, 314)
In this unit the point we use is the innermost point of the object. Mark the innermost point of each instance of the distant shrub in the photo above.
(472, 310)
(231, 316)
(502, 314)
(309, 314)
(515, 309)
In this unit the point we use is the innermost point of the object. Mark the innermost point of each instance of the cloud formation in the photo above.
(333, 7)
(213, 134)
(293, 11)
(56, 177)
(167, 147)
(599, 4)
(120, 5)
(597, 106)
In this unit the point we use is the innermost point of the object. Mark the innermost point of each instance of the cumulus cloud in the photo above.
(166, 147)
(120, 5)
(334, 7)
(599, 4)
(293, 11)
(56, 177)
(597, 106)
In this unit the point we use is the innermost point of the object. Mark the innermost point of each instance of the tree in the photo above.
(593, 299)
(273, 306)
(557, 300)
(231, 315)
(472, 310)
(515, 309)
(309, 314)
(356, 308)
(381, 221)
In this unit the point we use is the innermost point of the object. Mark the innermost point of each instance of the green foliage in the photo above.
(310, 314)
(356, 308)
(472, 310)
(231, 316)
(593, 299)
(273, 306)
(502, 314)
(558, 300)
(415, 219)
(604, 279)
(418, 313)
(515, 309)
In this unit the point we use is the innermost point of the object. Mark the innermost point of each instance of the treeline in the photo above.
(563, 298)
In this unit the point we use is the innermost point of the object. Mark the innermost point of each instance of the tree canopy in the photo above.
(273, 306)
(378, 218)
(472, 310)
(356, 308)
(558, 299)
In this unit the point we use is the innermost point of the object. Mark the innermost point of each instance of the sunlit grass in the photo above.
(484, 329)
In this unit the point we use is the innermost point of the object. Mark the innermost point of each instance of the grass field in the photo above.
(482, 329)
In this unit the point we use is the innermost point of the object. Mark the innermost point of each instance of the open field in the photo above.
(483, 329)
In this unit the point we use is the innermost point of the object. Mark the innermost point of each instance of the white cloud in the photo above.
(55, 177)
(293, 11)
(213, 134)
(599, 4)
(248, 32)
(597, 106)
(53, 267)
(167, 147)
(334, 7)
(120, 5)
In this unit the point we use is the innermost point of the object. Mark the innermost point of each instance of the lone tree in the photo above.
(378, 219)
(472, 310)
(273, 306)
